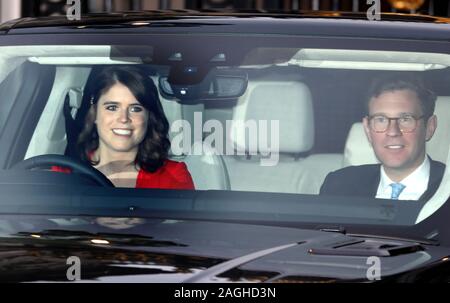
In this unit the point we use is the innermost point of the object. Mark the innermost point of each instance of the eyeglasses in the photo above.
(406, 123)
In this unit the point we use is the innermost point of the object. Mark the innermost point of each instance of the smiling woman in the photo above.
(126, 133)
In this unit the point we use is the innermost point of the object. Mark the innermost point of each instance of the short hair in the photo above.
(404, 82)
(154, 149)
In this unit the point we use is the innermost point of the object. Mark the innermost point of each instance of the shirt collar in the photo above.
(416, 182)
(421, 173)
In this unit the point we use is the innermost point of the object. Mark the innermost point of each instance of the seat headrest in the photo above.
(439, 144)
(358, 150)
(172, 110)
(289, 103)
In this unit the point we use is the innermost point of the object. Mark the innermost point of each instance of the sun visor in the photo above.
(369, 60)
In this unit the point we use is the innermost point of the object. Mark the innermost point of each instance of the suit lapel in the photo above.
(436, 172)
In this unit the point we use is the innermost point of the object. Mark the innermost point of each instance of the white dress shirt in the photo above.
(416, 183)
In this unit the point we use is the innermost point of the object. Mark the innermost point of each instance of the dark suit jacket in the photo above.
(363, 181)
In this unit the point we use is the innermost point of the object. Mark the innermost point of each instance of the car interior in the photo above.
(319, 113)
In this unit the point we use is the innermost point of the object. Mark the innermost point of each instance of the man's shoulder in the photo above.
(355, 170)
(437, 164)
(351, 180)
(436, 170)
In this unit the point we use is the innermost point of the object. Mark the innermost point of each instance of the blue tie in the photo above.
(397, 188)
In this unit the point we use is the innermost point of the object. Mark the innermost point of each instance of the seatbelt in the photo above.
(72, 128)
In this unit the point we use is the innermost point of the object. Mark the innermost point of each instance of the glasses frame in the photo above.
(396, 119)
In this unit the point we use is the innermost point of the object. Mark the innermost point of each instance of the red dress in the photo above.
(172, 175)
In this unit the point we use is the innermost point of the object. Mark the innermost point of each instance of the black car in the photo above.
(262, 107)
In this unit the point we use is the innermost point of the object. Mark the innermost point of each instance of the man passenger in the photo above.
(400, 121)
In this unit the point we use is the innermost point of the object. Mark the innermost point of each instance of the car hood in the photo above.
(159, 250)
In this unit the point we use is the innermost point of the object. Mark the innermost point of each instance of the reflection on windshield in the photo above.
(119, 223)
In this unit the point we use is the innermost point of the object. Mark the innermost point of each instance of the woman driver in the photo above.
(126, 133)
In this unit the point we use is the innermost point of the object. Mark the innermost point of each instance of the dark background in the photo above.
(51, 7)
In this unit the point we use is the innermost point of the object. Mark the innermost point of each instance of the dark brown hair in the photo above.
(154, 149)
(404, 82)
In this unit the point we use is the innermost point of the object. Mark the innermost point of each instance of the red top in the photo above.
(172, 175)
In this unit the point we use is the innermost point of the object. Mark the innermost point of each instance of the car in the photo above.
(262, 107)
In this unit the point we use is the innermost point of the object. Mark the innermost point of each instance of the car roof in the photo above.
(265, 22)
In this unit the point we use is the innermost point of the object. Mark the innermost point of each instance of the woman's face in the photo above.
(121, 121)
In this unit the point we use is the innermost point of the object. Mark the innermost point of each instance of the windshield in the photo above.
(272, 128)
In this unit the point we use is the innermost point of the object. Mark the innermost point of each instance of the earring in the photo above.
(92, 100)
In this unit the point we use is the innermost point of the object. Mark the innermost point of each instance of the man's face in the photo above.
(399, 152)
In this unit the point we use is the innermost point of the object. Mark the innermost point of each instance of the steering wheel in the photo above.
(64, 161)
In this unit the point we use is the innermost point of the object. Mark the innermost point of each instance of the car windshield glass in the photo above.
(274, 128)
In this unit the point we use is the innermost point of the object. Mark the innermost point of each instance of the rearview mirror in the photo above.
(216, 85)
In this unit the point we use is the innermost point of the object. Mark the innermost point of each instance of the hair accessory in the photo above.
(92, 100)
